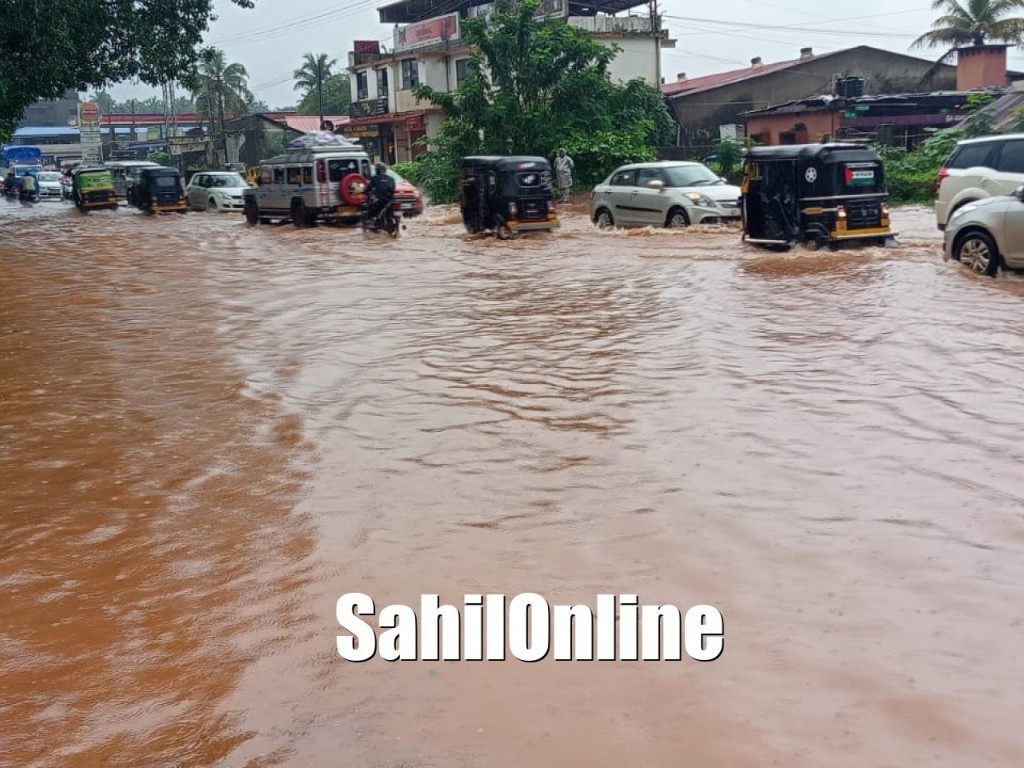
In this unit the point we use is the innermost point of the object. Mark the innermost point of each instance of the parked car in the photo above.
(663, 194)
(408, 199)
(985, 235)
(977, 169)
(50, 187)
(216, 191)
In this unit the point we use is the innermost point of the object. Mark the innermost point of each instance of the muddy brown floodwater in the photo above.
(208, 433)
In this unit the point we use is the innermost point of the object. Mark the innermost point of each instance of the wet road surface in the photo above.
(208, 433)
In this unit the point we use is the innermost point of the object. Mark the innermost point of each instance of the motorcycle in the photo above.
(385, 221)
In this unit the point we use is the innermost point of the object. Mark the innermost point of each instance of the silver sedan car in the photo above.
(216, 191)
(663, 194)
(987, 234)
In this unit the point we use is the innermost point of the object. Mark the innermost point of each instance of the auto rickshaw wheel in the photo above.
(677, 217)
(502, 229)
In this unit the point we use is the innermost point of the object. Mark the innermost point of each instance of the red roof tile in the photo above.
(726, 78)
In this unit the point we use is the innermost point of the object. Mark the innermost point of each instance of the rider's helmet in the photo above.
(381, 169)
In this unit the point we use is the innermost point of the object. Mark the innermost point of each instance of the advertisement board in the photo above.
(89, 130)
(429, 32)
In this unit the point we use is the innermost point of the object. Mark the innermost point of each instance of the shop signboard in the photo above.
(429, 32)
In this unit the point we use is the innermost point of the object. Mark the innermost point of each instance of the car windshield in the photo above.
(228, 180)
(690, 176)
(49, 176)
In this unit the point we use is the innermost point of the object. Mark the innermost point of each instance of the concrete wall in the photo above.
(700, 114)
(815, 125)
(639, 58)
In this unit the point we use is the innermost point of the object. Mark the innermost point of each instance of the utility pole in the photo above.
(220, 108)
(320, 86)
(134, 137)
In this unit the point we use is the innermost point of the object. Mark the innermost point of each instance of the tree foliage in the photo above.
(534, 85)
(51, 46)
(222, 88)
(973, 22)
(337, 97)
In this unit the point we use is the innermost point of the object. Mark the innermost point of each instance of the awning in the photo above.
(390, 118)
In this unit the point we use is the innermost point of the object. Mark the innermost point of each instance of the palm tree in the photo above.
(313, 72)
(222, 88)
(973, 23)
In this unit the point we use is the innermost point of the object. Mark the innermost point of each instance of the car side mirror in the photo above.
(655, 184)
(1019, 193)
(723, 179)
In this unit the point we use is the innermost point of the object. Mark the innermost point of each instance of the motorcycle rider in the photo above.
(380, 192)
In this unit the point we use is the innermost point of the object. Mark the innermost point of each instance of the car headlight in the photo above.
(699, 199)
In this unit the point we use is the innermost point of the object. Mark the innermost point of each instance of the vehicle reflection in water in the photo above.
(208, 433)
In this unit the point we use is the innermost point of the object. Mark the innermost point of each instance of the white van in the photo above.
(306, 186)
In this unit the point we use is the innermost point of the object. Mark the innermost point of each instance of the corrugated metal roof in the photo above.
(54, 130)
(727, 78)
(310, 123)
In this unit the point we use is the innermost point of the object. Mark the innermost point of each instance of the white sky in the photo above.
(270, 39)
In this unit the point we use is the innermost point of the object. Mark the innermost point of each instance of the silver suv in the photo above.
(976, 169)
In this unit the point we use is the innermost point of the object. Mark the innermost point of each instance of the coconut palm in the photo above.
(223, 88)
(973, 22)
(312, 74)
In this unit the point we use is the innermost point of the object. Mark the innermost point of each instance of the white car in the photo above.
(664, 194)
(216, 191)
(49, 185)
(990, 166)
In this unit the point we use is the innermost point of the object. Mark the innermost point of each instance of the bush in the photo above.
(910, 176)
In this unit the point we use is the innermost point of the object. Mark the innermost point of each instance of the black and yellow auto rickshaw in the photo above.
(159, 190)
(820, 194)
(507, 195)
(92, 189)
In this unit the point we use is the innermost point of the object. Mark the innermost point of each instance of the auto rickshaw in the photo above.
(507, 195)
(92, 189)
(820, 194)
(159, 190)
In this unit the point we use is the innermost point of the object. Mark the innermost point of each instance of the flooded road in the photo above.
(208, 433)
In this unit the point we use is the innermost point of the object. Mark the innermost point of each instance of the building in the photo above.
(428, 50)
(254, 138)
(708, 108)
(900, 119)
(52, 113)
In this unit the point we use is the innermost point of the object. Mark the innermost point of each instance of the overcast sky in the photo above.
(270, 39)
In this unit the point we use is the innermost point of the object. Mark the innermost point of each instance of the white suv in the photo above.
(976, 169)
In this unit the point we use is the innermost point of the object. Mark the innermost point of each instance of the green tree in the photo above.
(311, 76)
(974, 22)
(56, 45)
(532, 86)
(337, 97)
(222, 88)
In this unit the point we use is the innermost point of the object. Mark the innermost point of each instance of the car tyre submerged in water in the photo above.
(977, 250)
(677, 218)
(252, 214)
(604, 219)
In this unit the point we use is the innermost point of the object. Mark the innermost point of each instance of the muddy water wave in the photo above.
(209, 432)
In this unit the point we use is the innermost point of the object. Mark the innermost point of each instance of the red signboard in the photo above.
(366, 46)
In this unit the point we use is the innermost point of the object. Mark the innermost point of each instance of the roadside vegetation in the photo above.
(534, 86)
(53, 46)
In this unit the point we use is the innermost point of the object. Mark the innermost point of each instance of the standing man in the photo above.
(564, 166)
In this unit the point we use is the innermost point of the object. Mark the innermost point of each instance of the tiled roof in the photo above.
(727, 78)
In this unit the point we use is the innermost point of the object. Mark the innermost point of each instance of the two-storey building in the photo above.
(428, 49)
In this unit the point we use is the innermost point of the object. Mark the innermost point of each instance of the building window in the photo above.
(410, 73)
(461, 71)
(382, 83)
(362, 89)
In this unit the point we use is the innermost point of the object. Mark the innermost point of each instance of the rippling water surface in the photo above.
(208, 433)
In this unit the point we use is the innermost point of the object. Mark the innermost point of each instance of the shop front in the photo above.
(387, 137)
